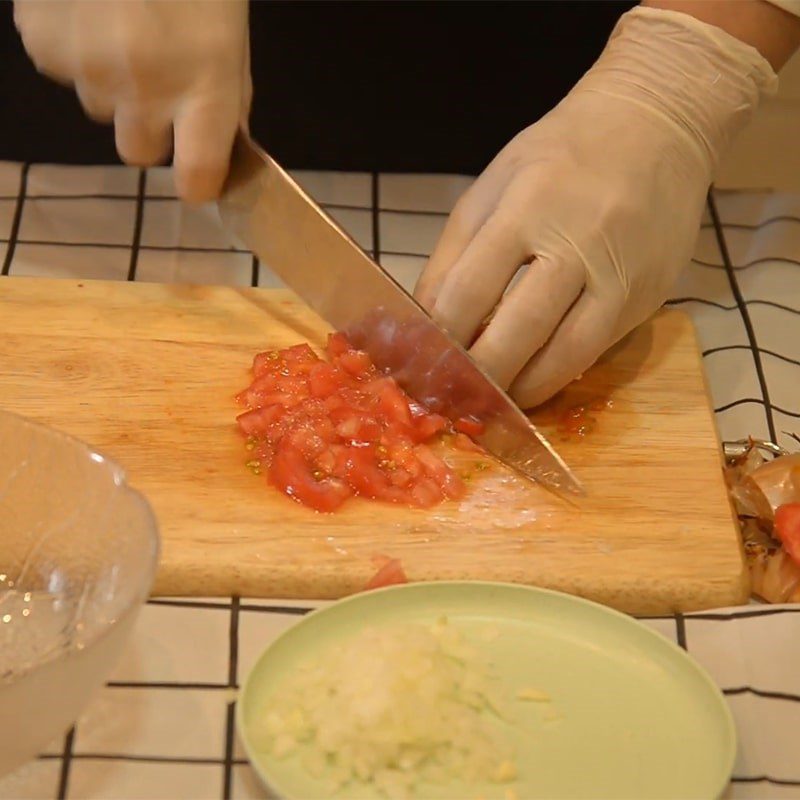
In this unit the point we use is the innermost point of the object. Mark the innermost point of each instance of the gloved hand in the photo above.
(603, 196)
(151, 66)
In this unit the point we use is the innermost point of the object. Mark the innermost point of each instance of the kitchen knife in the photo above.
(265, 209)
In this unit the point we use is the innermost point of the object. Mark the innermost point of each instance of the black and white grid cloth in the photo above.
(163, 727)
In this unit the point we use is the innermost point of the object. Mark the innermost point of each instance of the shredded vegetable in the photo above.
(393, 707)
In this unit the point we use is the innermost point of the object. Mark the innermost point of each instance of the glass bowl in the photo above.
(78, 555)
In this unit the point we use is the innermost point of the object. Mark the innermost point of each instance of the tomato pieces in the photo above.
(787, 529)
(391, 573)
(469, 426)
(292, 473)
(325, 430)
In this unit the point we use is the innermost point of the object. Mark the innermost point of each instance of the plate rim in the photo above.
(677, 651)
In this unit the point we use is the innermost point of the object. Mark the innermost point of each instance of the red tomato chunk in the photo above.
(390, 573)
(324, 431)
(787, 529)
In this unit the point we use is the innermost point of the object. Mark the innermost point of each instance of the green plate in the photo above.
(632, 716)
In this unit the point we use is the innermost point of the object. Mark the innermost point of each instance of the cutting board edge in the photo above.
(627, 596)
(720, 453)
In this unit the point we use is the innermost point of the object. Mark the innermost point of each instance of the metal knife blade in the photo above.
(263, 207)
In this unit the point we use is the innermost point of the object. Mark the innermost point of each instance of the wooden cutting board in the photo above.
(146, 373)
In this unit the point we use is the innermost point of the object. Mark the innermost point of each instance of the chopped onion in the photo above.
(392, 707)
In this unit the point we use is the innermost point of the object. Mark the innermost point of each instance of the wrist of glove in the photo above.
(577, 230)
(169, 74)
(698, 78)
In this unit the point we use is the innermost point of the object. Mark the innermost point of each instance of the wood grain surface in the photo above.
(146, 373)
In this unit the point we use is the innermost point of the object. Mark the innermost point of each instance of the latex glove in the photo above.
(159, 69)
(603, 196)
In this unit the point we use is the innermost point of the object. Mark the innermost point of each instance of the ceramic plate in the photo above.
(630, 714)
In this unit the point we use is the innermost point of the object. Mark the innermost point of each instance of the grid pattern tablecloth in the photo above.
(163, 727)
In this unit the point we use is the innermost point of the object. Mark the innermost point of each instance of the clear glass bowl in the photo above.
(78, 555)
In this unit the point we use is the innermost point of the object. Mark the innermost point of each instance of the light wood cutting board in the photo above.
(146, 373)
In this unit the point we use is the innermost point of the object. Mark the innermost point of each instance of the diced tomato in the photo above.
(356, 363)
(335, 401)
(419, 411)
(349, 427)
(394, 404)
(326, 461)
(291, 473)
(355, 425)
(425, 493)
(325, 430)
(400, 477)
(470, 426)
(401, 452)
(306, 441)
(787, 529)
(323, 380)
(299, 354)
(463, 442)
(266, 383)
(253, 396)
(356, 428)
(363, 473)
(258, 421)
(285, 399)
(390, 574)
(429, 425)
(337, 344)
(443, 476)
(264, 362)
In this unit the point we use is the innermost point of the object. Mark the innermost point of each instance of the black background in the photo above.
(373, 86)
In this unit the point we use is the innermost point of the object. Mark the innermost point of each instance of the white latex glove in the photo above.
(158, 68)
(604, 196)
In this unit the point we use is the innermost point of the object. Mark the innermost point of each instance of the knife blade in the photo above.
(271, 215)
